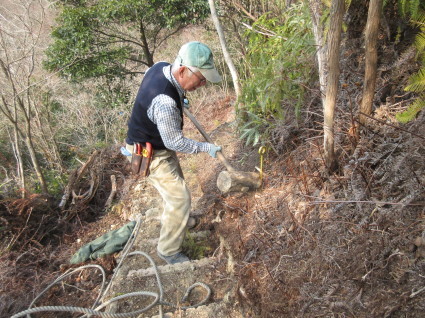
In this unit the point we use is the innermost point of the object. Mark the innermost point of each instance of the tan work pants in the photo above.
(167, 177)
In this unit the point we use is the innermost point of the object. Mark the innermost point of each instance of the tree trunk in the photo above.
(334, 39)
(47, 142)
(145, 45)
(34, 160)
(319, 37)
(371, 39)
(19, 162)
(227, 57)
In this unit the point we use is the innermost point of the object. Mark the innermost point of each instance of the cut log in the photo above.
(238, 181)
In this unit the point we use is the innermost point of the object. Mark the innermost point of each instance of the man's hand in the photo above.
(213, 150)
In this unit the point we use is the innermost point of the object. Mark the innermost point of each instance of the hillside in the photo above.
(306, 244)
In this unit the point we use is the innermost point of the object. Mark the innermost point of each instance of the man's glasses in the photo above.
(202, 80)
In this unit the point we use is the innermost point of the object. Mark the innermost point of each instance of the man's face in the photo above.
(190, 80)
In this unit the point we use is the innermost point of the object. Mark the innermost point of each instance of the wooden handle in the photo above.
(207, 138)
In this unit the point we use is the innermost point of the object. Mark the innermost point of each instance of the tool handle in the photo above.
(207, 138)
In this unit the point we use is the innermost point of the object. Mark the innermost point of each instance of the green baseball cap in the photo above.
(199, 55)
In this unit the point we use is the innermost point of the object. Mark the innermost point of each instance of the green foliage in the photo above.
(111, 38)
(56, 182)
(277, 66)
(417, 80)
(410, 113)
(253, 129)
(195, 249)
(410, 8)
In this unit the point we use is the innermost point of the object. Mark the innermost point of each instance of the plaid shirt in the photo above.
(164, 113)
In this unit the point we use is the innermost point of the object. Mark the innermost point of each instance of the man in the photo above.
(157, 117)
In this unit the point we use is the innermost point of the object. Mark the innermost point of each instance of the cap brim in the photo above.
(211, 75)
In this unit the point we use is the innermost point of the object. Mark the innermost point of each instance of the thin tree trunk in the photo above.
(371, 39)
(145, 45)
(19, 162)
(334, 39)
(26, 112)
(227, 57)
(47, 139)
(34, 160)
(319, 37)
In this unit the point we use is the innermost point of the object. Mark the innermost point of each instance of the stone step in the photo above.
(180, 267)
(214, 310)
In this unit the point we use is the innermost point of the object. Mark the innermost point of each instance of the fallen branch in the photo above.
(360, 201)
(74, 178)
(413, 294)
(86, 196)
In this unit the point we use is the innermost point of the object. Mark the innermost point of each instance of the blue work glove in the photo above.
(186, 103)
(125, 152)
(213, 150)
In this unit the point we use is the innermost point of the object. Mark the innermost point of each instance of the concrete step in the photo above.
(180, 267)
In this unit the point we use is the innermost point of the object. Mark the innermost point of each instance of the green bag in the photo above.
(108, 243)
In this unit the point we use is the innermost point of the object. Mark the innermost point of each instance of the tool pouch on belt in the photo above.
(141, 159)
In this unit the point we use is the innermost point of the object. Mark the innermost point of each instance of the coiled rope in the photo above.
(95, 309)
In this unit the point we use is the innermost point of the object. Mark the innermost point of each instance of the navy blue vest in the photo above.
(140, 127)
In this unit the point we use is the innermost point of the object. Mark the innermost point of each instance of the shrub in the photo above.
(278, 65)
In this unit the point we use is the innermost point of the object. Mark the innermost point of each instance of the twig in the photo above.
(234, 207)
(271, 276)
(413, 294)
(365, 275)
(268, 33)
(401, 102)
(245, 11)
(385, 123)
(361, 201)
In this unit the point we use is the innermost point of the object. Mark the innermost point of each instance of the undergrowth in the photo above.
(278, 68)
(417, 80)
(195, 249)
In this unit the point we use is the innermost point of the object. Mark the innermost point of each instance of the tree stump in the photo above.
(238, 181)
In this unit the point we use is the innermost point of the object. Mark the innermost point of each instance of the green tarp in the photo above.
(108, 243)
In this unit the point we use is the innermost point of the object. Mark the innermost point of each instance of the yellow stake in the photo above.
(261, 151)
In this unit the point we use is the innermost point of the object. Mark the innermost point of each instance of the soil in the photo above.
(307, 244)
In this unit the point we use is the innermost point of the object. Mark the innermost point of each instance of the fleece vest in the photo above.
(140, 127)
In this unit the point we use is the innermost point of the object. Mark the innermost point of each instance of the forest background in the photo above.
(69, 91)
(71, 69)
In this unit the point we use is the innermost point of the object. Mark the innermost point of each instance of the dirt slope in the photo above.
(307, 244)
